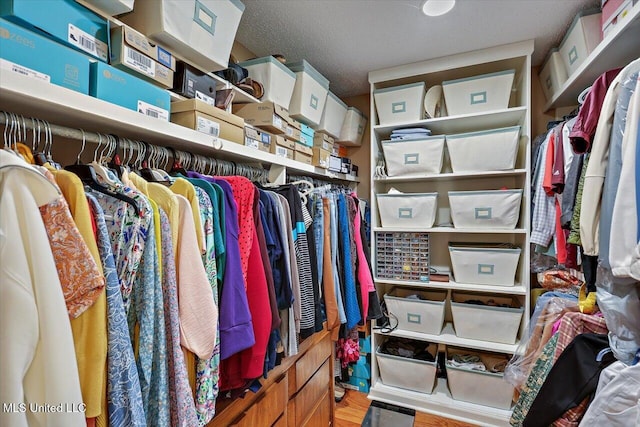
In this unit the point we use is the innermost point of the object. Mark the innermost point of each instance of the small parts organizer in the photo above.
(402, 256)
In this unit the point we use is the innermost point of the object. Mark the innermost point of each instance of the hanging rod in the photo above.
(37, 125)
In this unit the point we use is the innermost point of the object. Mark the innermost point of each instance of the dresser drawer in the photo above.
(268, 408)
(321, 417)
(309, 363)
(307, 399)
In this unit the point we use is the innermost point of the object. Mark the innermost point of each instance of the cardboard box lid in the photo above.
(257, 106)
(203, 107)
(139, 42)
(304, 149)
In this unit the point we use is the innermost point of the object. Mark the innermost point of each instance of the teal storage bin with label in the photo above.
(417, 310)
(478, 94)
(499, 209)
(400, 104)
(484, 264)
(65, 21)
(30, 54)
(309, 94)
(117, 87)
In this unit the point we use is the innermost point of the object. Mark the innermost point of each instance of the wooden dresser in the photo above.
(297, 393)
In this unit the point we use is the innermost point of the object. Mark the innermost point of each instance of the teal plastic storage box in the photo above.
(31, 54)
(62, 20)
(365, 345)
(115, 86)
(358, 384)
(306, 135)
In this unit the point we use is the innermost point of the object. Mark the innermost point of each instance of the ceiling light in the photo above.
(437, 7)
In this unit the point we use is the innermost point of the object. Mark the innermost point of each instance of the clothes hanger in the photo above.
(176, 167)
(87, 175)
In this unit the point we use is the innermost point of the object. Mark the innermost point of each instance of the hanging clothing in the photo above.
(182, 404)
(352, 308)
(123, 392)
(38, 361)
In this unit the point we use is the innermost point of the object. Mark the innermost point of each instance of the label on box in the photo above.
(24, 71)
(281, 151)
(164, 57)
(250, 142)
(277, 121)
(289, 131)
(206, 98)
(87, 42)
(140, 62)
(208, 126)
(152, 111)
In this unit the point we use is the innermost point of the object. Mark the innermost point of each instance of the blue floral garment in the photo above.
(124, 397)
(183, 408)
(207, 370)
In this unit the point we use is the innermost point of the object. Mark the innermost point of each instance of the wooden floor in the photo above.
(351, 410)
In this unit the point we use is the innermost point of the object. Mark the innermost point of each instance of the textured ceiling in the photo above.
(345, 39)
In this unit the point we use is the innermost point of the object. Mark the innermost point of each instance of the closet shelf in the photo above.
(449, 176)
(440, 403)
(450, 230)
(517, 289)
(448, 337)
(61, 106)
(618, 49)
(463, 123)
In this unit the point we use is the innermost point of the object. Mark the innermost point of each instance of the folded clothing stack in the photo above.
(473, 362)
(410, 349)
(409, 133)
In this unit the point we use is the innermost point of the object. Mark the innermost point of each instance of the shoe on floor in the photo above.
(587, 302)
(338, 392)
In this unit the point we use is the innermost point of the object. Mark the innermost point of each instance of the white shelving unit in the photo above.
(513, 56)
(64, 107)
(618, 49)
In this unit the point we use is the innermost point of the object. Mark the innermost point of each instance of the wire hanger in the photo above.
(87, 175)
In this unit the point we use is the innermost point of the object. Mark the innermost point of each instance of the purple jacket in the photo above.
(236, 328)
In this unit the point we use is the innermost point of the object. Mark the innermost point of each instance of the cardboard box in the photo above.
(65, 21)
(302, 157)
(281, 151)
(264, 115)
(346, 165)
(113, 85)
(321, 157)
(324, 141)
(199, 121)
(256, 138)
(231, 126)
(285, 142)
(193, 83)
(305, 139)
(293, 133)
(294, 123)
(129, 52)
(300, 148)
(30, 54)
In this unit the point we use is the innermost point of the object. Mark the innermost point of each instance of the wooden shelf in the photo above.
(448, 337)
(451, 230)
(61, 106)
(517, 289)
(450, 176)
(440, 403)
(463, 123)
(616, 50)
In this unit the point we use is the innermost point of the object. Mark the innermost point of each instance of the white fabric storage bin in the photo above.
(581, 39)
(400, 104)
(407, 210)
(201, 31)
(414, 156)
(486, 322)
(477, 94)
(410, 374)
(485, 209)
(424, 314)
(484, 264)
(553, 74)
(333, 116)
(112, 7)
(277, 79)
(472, 386)
(353, 128)
(489, 150)
(309, 94)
